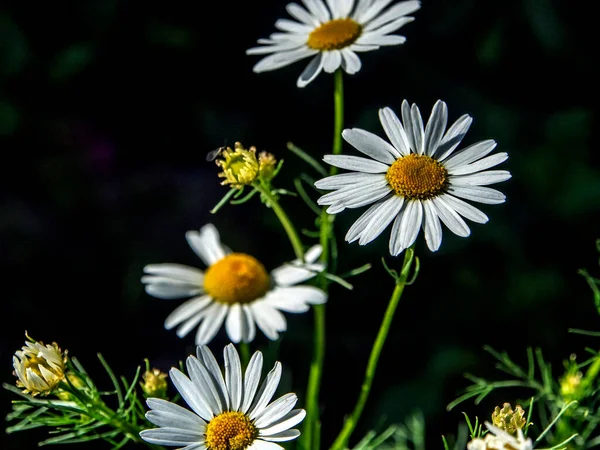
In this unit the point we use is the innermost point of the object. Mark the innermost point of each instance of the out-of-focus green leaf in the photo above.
(71, 61)
(13, 47)
(9, 118)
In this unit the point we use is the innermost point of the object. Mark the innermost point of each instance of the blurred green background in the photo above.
(108, 108)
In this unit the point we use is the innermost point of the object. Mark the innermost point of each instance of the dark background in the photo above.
(107, 110)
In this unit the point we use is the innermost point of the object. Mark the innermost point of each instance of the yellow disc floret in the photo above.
(417, 177)
(237, 278)
(334, 35)
(230, 430)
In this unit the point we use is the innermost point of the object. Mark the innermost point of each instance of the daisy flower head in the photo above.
(235, 289)
(229, 411)
(331, 33)
(415, 180)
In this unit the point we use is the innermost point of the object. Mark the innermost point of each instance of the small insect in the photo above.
(213, 154)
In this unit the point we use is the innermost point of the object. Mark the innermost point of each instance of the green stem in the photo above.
(244, 353)
(287, 224)
(310, 438)
(341, 441)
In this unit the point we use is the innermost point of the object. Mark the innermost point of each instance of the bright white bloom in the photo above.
(415, 181)
(332, 34)
(38, 367)
(235, 289)
(498, 439)
(229, 412)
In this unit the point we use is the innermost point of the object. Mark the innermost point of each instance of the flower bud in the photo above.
(508, 419)
(38, 367)
(154, 384)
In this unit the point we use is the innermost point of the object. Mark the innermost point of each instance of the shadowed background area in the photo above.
(107, 110)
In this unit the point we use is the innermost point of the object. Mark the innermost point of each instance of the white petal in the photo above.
(376, 39)
(266, 391)
(171, 436)
(168, 289)
(207, 358)
(311, 71)
(482, 164)
(479, 194)
(276, 410)
(187, 310)
(286, 422)
(299, 13)
(451, 219)
(287, 435)
(332, 60)
(211, 324)
(394, 130)
(233, 376)
(388, 210)
(282, 58)
(411, 223)
(417, 128)
(203, 381)
(192, 396)
(251, 380)
(257, 310)
(466, 210)
(480, 178)
(293, 27)
(346, 179)
(350, 61)
(249, 327)
(318, 9)
(295, 299)
(393, 13)
(206, 244)
(177, 272)
(369, 9)
(469, 154)
(390, 27)
(453, 137)
(408, 126)
(167, 414)
(355, 192)
(371, 145)
(290, 274)
(233, 323)
(361, 223)
(431, 226)
(355, 163)
(436, 125)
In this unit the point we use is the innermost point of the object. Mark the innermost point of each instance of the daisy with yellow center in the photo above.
(229, 411)
(416, 181)
(235, 289)
(332, 33)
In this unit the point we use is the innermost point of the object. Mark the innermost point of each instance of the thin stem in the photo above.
(309, 439)
(244, 353)
(341, 441)
(287, 224)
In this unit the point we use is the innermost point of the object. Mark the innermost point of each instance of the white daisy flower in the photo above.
(229, 412)
(332, 33)
(416, 181)
(235, 289)
(498, 439)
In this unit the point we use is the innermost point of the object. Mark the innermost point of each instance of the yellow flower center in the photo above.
(237, 278)
(335, 34)
(230, 430)
(417, 177)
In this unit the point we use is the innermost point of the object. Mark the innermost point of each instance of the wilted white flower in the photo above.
(498, 439)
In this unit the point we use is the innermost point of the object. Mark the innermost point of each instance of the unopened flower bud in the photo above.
(38, 367)
(154, 384)
(240, 166)
(508, 419)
